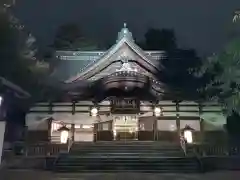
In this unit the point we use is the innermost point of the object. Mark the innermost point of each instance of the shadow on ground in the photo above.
(39, 175)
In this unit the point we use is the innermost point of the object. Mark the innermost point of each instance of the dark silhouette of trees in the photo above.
(70, 37)
(19, 61)
(160, 39)
(178, 64)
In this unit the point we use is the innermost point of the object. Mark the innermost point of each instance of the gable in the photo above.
(123, 49)
(116, 63)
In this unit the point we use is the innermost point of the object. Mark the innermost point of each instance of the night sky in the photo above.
(202, 24)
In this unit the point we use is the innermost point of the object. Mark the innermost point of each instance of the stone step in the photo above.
(104, 153)
(128, 144)
(125, 144)
(123, 148)
(129, 164)
(118, 156)
(124, 158)
(95, 162)
(99, 155)
(132, 148)
(166, 153)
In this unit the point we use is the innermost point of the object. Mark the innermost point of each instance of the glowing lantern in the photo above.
(1, 100)
(188, 134)
(157, 111)
(64, 134)
(94, 112)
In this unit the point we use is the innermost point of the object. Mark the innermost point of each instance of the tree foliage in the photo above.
(176, 72)
(70, 37)
(19, 63)
(236, 15)
(159, 39)
(224, 69)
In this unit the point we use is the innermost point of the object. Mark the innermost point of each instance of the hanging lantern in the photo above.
(64, 133)
(188, 134)
(94, 111)
(157, 111)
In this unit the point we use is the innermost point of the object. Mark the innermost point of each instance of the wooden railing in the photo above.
(45, 149)
(183, 145)
(216, 150)
(69, 144)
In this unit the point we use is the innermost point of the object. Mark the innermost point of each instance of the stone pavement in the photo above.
(38, 175)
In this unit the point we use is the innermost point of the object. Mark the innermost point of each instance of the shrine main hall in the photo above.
(116, 95)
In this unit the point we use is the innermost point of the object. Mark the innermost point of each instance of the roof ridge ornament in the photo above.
(124, 33)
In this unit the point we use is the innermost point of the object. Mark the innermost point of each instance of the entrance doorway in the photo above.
(125, 127)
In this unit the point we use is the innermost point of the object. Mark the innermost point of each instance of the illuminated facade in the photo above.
(117, 95)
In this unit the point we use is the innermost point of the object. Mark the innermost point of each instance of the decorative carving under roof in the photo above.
(125, 33)
(126, 66)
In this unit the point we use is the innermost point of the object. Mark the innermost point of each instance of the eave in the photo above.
(95, 66)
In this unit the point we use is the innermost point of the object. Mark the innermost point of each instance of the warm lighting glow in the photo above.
(157, 111)
(1, 100)
(114, 133)
(188, 136)
(172, 127)
(64, 136)
(87, 126)
(77, 126)
(94, 112)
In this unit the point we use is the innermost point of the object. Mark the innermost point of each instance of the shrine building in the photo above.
(117, 95)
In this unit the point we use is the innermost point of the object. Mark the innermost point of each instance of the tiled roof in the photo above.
(67, 69)
(73, 63)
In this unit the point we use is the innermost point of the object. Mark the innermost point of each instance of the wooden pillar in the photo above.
(155, 130)
(155, 135)
(50, 121)
(72, 132)
(73, 125)
(201, 123)
(178, 118)
(2, 132)
(202, 130)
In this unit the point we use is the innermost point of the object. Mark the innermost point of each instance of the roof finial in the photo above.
(124, 33)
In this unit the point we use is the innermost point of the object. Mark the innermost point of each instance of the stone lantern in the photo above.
(64, 134)
(188, 134)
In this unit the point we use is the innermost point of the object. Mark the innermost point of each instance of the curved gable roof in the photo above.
(127, 39)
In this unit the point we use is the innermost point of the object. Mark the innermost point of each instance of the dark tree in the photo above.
(178, 64)
(177, 72)
(19, 61)
(160, 39)
(70, 37)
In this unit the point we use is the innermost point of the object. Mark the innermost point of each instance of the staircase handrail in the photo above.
(70, 143)
(183, 144)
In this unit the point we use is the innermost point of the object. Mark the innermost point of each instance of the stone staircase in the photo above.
(126, 156)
